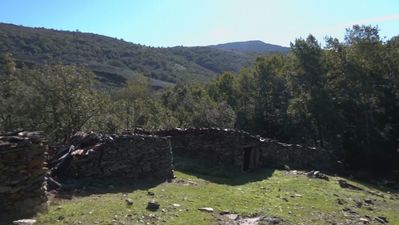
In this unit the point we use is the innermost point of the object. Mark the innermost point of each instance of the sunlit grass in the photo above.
(294, 198)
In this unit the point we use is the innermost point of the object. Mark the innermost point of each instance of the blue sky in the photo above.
(204, 22)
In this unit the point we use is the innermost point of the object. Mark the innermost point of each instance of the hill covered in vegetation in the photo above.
(342, 97)
(114, 60)
(252, 46)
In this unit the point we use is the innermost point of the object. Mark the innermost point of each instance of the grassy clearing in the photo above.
(293, 197)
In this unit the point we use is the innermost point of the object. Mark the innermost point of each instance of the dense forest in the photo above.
(343, 97)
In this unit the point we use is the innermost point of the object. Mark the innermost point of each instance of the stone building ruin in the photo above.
(243, 150)
(135, 156)
(22, 174)
(231, 147)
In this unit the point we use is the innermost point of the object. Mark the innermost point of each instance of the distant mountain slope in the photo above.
(252, 46)
(213, 59)
(113, 60)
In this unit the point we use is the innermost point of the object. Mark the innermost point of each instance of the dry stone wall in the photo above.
(144, 154)
(246, 151)
(22, 173)
(276, 154)
(133, 156)
(219, 145)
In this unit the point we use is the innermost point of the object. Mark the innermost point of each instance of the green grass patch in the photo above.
(294, 198)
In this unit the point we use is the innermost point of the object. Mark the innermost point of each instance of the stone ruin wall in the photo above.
(218, 145)
(277, 154)
(229, 146)
(22, 174)
(133, 156)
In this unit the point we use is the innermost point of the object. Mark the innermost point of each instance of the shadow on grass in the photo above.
(7, 219)
(81, 187)
(213, 172)
(88, 186)
(378, 184)
(218, 172)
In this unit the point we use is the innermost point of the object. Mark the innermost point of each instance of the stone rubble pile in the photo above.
(22, 173)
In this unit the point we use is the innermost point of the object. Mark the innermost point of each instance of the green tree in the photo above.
(130, 99)
(311, 101)
(271, 99)
(62, 98)
(8, 83)
(224, 88)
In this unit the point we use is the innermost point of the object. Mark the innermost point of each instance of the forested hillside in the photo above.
(343, 97)
(252, 46)
(114, 61)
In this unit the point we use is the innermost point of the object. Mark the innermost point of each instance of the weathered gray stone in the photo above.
(129, 201)
(206, 209)
(243, 150)
(24, 222)
(22, 166)
(175, 205)
(153, 205)
(131, 156)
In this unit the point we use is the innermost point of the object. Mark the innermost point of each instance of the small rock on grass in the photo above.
(24, 222)
(345, 184)
(364, 220)
(232, 216)
(152, 205)
(382, 219)
(341, 201)
(206, 209)
(368, 201)
(318, 175)
(224, 212)
(129, 201)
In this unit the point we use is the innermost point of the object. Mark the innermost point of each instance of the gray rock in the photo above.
(368, 201)
(382, 219)
(231, 216)
(206, 209)
(153, 205)
(24, 222)
(129, 201)
(345, 184)
(271, 220)
(317, 174)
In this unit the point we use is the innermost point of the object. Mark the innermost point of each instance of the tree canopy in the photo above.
(343, 97)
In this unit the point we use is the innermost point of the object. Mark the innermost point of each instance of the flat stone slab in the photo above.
(24, 222)
(206, 209)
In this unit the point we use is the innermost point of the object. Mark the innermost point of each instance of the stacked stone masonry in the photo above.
(22, 174)
(134, 156)
(243, 150)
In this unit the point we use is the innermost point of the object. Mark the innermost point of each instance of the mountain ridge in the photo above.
(114, 61)
(255, 46)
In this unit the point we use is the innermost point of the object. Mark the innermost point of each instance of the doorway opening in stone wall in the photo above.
(247, 159)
